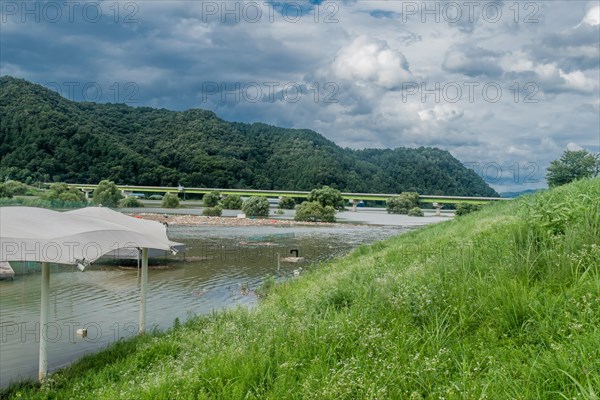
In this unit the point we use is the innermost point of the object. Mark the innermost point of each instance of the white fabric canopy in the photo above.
(79, 236)
(75, 237)
(157, 229)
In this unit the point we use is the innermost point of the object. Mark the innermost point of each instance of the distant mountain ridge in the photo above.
(512, 195)
(46, 137)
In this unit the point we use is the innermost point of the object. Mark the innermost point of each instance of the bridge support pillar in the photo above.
(438, 209)
(354, 203)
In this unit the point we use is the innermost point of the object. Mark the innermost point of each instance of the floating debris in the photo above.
(199, 220)
(244, 243)
(292, 259)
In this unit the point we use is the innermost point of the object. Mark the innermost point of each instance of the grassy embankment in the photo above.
(503, 303)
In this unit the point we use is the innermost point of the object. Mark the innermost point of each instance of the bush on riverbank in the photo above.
(17, 188)
(35, 202)
(106, 194)
(415, 212)
(130, 202)
(466, 208)
(5, 192)
(62, 192)
(211, 199)
(327, 196)
(503, 303)
(256, 206)
(232, 202)
(287, 203)
(215, 211)
(170, 200)
(314, 212)
(402, 203)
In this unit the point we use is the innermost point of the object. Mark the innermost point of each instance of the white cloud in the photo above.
(592, 17)
(368, 61)
(441, 113)
(574, 146)
(175, 48)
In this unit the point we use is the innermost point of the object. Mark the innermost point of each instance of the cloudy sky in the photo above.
(505, 86)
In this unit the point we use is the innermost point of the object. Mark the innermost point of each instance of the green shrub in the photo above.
(5, 193)
(62, 192)
(256, 207)
(232, 202)
(130, 202)
(555, 212)
(107, 194)
(415, 212)
(215, 211)
(170, 200)
(36, 202)
(467, 208)
(211, 199)
(287, 203)
(327, 196)
(314, 211)
(402, 203)
(279, 212)
(16, 188)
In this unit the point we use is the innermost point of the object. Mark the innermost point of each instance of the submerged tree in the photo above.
(327, 196)
(256, 206)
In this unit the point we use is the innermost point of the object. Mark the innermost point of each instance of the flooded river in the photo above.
(222, 267)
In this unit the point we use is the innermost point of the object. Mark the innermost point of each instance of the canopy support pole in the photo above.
(144, 287)
(45, 299)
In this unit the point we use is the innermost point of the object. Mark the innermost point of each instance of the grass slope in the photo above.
(503, 303)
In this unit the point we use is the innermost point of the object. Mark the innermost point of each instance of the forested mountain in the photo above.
(45, 137)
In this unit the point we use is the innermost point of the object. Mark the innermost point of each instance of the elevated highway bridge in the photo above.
(352, 197)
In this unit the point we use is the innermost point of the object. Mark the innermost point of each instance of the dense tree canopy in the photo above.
(106, 194)
(571, 166)
(327, 196)
(45, 137)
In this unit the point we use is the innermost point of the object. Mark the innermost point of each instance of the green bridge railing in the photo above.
(290, 193)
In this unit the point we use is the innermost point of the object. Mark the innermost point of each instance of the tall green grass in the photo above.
(503, 303)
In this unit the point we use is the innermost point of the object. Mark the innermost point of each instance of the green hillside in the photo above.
(503, 303)
(45, 137)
